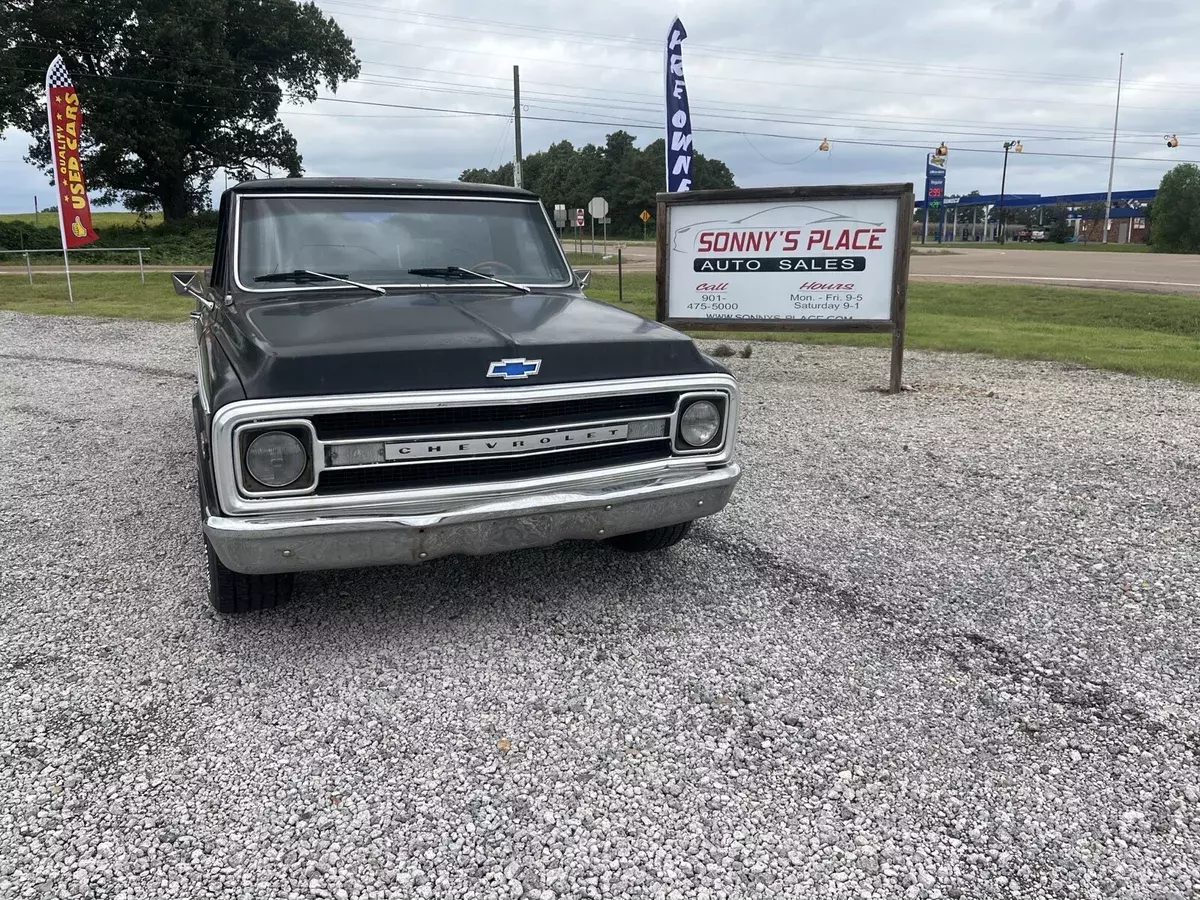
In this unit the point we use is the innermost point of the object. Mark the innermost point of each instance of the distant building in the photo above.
(1125, 226)
(968, 218)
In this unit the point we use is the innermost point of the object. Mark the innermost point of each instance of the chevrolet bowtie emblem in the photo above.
(514, 368)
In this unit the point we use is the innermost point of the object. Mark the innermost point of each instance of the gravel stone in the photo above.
(942, 644)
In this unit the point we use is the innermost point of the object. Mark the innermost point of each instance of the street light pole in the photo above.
(1112, 163)
(1008, 145)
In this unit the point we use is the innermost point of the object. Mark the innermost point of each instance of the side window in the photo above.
(222, 250)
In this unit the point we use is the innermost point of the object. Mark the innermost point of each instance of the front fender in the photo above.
(206, 483)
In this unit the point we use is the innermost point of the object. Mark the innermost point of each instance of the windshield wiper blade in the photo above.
(459, 272)
(309, 275)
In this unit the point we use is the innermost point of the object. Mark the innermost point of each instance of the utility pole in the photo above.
(1112, 163)
(517, 124)
(1008, 145)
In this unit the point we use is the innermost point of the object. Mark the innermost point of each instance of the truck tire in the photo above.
(235, 592)
(654, 539)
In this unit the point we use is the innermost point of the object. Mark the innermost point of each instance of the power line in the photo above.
(654, 102)
(944, 130)
(791, 85)
(701, 50)
(613, 123)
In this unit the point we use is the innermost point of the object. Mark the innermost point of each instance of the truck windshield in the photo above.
(378, 240)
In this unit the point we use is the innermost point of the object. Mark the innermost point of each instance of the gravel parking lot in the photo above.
(943, 644)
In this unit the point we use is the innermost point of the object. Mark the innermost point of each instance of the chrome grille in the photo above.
(509, 416)
(570, 431)
(468, 471)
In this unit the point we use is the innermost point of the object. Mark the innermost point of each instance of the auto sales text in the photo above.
(780, 264)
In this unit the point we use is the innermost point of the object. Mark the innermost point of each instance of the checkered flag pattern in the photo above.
(57, 75)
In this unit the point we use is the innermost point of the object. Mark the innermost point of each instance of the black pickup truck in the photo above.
(391, 371)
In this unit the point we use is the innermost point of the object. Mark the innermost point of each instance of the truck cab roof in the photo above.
(342, 185)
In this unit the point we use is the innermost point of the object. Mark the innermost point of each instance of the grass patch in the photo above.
(99, 219)
(188, 242)
(592, 259)
(117, 295)
(1155, 335)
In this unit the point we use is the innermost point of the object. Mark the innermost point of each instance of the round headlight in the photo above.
(276, 458)
(699, 423)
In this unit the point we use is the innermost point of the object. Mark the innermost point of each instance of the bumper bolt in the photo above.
(287, 552)
(602, 531)
(422, 555)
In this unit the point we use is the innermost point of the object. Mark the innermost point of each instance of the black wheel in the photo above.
(236, 592)
(654, 539)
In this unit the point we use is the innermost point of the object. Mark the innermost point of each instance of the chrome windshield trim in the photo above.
(233, 415)
(439, 285)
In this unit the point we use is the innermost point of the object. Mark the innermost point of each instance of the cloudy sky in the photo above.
(883, 80)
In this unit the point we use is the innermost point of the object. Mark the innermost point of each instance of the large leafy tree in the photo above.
(1176, 211)
(628, 178)
(172, 90)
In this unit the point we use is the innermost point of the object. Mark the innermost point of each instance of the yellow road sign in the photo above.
(645, 216)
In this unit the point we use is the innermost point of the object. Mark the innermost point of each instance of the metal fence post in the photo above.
(141, 268)
(620, 278)
(28, 269)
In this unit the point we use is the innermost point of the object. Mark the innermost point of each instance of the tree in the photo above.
(172, 90)
(1176, 211)
(627, 177)
(1058, 222)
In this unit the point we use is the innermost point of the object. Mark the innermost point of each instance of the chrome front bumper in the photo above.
(344, 540)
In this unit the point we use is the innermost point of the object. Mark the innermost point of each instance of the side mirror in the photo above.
(583, 276)
(190, 283)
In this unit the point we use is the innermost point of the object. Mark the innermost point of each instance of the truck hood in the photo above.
(347, 344)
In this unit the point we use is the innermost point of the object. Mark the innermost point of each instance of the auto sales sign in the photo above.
(782, 257)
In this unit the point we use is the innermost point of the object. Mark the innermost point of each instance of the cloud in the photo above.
(883, 80)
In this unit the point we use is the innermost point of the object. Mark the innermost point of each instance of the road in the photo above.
(942, 644)
(1147, 272)
(1144, 272)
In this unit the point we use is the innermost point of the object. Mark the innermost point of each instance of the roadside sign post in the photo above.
(598, 208)
(935, 191)
(620, 278)
(578, 236)
(560, 218)
(814, 258)
(645, 217)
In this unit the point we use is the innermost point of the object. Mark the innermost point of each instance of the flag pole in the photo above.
(62, 222)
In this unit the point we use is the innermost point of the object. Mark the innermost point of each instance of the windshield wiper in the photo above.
(459, 272)
(300, 275)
